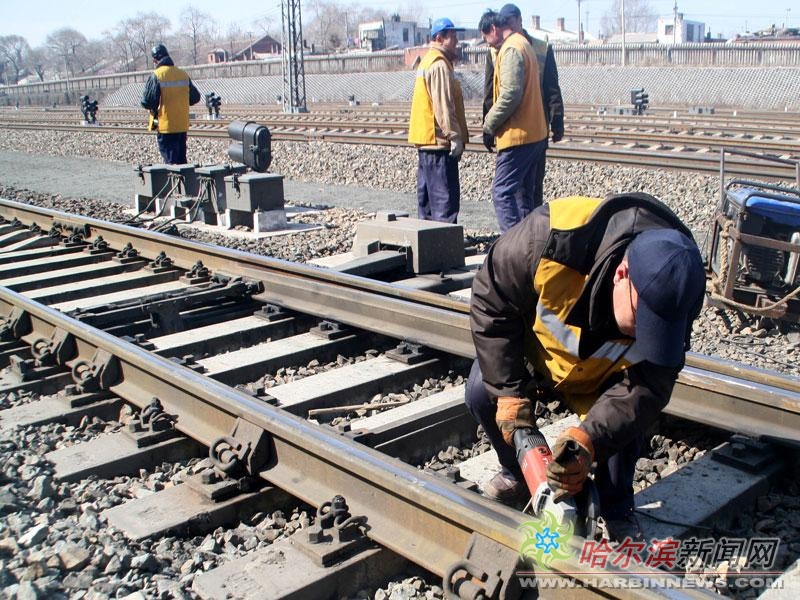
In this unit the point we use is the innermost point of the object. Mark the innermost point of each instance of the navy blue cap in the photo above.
(510, 10)
(443, 24)
(667, 271)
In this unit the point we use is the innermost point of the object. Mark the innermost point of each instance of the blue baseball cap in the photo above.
(443, 24)
(667, 271)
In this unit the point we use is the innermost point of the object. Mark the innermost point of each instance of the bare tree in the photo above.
(65, 45)
(639, 17)
(38, 60)
(121, 43)
(147, 29)
(196, 25)
(14, 51)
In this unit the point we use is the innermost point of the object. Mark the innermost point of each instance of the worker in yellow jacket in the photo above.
(168, 93)
(438, 126)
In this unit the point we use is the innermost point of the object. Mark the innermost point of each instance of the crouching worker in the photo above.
(590, 301)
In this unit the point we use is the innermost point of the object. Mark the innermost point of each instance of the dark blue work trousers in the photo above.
(538, 180)
(514, 181)
(172, 147)
(438, 188)
(612, 477)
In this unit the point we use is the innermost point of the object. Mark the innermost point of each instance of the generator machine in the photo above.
(753, 259)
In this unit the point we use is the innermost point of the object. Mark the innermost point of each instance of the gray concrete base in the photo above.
(117, 454)
(50, 410)
(699, 493)
(284, 571)
(180, 508)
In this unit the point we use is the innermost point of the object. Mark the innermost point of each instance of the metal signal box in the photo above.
(254, 191)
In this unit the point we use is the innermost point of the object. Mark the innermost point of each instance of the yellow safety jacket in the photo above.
(527, 125)
(422, 122)
(553, 347)
(173, 111)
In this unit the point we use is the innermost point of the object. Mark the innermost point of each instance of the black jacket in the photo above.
(503, 307)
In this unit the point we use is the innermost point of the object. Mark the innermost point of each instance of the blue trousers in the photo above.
(172, 147)
(538, 180)
(438, 188)
(514, 182)
(613, 477)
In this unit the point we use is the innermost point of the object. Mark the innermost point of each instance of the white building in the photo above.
(674, 29)
(558, 35)
(391, 33)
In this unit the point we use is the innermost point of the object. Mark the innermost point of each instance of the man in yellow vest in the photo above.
(438, 126)
(516, 120)
(552, 101)
(589, 302)
(168, 92)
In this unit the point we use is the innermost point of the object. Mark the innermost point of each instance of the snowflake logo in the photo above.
(546, 539)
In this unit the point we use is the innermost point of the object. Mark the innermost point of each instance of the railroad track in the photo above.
(98, 315)
(653, 141)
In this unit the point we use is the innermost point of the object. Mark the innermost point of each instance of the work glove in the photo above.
(557, 136)
(512, 414)
(573, 455)
(488, 141)
(456, 149)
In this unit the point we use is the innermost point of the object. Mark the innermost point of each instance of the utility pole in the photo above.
(580, 24)
(622, 4)
(294, 74)
(674, 22)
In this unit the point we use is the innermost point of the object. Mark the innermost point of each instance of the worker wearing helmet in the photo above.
(168, 93)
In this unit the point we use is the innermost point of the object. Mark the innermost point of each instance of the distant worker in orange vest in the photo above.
(438, 127)
(168, 93)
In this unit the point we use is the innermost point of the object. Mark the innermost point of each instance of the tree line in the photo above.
(328, 26)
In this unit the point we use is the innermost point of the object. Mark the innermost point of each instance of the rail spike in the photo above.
(244, 452)
(15, 325)
(100, 374)
(58, 349)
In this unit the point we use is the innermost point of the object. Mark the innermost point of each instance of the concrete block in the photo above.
(431, 246)
(283, 570)
(269, 220)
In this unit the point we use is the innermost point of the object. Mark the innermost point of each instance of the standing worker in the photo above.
(515, 120)
(552, 101)
(168, 93)
(438, 126)
(590, 302)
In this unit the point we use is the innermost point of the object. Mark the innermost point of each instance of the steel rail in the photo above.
(720, 393)
(695, 161)
(426, 519)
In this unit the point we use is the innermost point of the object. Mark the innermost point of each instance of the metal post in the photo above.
(622, 3)
(294, 76)
(674, 22)
(580, 25)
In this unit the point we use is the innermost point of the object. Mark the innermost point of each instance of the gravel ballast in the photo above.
(52, 544)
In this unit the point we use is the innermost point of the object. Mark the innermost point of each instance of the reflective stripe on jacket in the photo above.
(527, 124)
(554, 347)
(173, 110)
